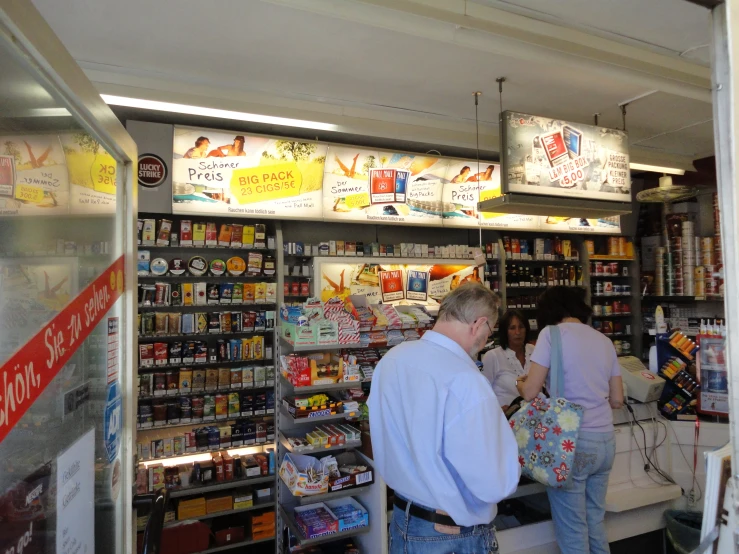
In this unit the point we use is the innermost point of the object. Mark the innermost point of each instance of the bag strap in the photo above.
(556, 370)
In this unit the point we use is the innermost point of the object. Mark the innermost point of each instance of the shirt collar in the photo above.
(449, 344)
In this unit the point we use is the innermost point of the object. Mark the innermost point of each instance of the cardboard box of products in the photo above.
(194, 507)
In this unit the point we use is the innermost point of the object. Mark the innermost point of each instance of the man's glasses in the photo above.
(491, 329)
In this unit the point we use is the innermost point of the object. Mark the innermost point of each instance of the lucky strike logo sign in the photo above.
(152, 170)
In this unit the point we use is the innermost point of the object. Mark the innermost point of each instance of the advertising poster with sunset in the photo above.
(425, 284)
(374, 186)
(221, 173)
(468, 182)
(33, 175)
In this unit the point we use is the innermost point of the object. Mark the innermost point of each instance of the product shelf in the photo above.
(226, 421)
(289, 519)
(681, 299)
(614, 295)
(313, 420)
(202, 392)
(211, 278)
(235, 545)
(611, 316)
(206, 307)
(322, 388)
(592, 276)
(600, 258)
(539, 261)
(342, 493)
(155, 338)
(317, 347)
(203, 247)
(257, 506)
(318, 450)
(203, 365)
(201, 489)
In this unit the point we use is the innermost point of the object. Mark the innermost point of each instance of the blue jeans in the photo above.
(578, 510)
(413, 535)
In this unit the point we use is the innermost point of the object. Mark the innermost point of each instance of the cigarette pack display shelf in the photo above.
(612, 295)
(609, 277)
(630, 314)
(212, 515)
(226, 421)
(159, 338)
(543, 261)
(289, 520)
(206, 308)
(234, 483)
(206, 248)
(320, 449)
(210, 279)
(599, 258)
(235, 545)
(202, 392)
(205, 365)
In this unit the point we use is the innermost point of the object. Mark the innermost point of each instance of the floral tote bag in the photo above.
(546, 429)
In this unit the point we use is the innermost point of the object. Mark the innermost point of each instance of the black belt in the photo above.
(425, 514)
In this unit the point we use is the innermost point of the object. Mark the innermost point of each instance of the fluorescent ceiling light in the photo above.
(213, 112)
(657, 169)
(48, 112)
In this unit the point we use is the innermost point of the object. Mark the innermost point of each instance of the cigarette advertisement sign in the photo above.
(249, 175)
(394, 283)
(92, 175)
(558, 158)
(382, 187)
(465, 186)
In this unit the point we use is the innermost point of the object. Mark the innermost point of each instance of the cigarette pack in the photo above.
(185, 232)
(237, 235)
(260, 235)
(225, 234)
(198, 234)
(165, 228)
(211, 234)
(247, 240)
(148, 234)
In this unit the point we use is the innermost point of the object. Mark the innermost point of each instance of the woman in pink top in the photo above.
(592, 378)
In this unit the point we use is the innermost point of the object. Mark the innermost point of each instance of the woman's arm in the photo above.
(534, 382)
(615, 392)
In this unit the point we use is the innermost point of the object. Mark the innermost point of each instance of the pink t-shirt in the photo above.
(589, 361)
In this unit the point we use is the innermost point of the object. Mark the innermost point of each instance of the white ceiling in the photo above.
(248, 47)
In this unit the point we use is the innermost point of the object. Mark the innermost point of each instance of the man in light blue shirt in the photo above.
(439, 437)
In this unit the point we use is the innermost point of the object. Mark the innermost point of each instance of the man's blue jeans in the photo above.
(578, 510)
(413, 535)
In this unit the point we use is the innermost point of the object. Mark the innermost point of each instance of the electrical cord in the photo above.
(682, 453)
(646, 454)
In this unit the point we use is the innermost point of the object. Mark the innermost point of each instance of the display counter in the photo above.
(636, 499)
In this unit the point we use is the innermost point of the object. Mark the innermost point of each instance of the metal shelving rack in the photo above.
(210, 252)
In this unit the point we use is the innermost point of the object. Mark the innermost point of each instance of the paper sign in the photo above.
(75, 497)
(391, 284)
(103, 173)
(27, 193)
(262, 184)
(27, 373)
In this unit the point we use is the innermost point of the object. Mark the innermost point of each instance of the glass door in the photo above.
(66, 316)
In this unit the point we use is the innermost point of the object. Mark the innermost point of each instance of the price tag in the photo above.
(265, 183)
(361, 200)
(29, 193)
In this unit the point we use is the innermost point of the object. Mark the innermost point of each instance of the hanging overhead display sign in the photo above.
(469, 182)
(558, 158)
(374, 186)
(214, 172)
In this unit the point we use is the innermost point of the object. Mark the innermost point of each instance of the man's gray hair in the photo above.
(469, 302)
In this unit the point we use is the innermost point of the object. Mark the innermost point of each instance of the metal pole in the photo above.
(725, 81)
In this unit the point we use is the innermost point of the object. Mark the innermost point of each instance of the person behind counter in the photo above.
(438, 437)
(510, 361)
(592, 378)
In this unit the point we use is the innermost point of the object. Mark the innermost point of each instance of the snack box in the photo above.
(243, 500)
(294, 472)
(332, 407)
(326, 369)
(355, 479)
(325, 518)
(194, 507)
(218, 503)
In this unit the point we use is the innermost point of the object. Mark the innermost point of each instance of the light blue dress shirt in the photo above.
(439, 437)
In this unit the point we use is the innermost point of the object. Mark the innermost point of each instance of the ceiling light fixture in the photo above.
(213, 112)
(657, 169)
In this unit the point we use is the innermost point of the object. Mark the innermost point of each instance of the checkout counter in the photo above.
(637, 498)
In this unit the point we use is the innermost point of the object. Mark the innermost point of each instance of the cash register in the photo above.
(640, 383)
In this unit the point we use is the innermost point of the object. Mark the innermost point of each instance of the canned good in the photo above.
(617, 289)
(607, 309)
(607, 328)
(590, 247)
(597, 325)
(599, 288)
(597, 309)
(598, 268)
(625, 347)
(626, 289)
(613, 246)
(614, 268)
(627, 328)
(616, 307)
(617, 345)
(607, 287)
